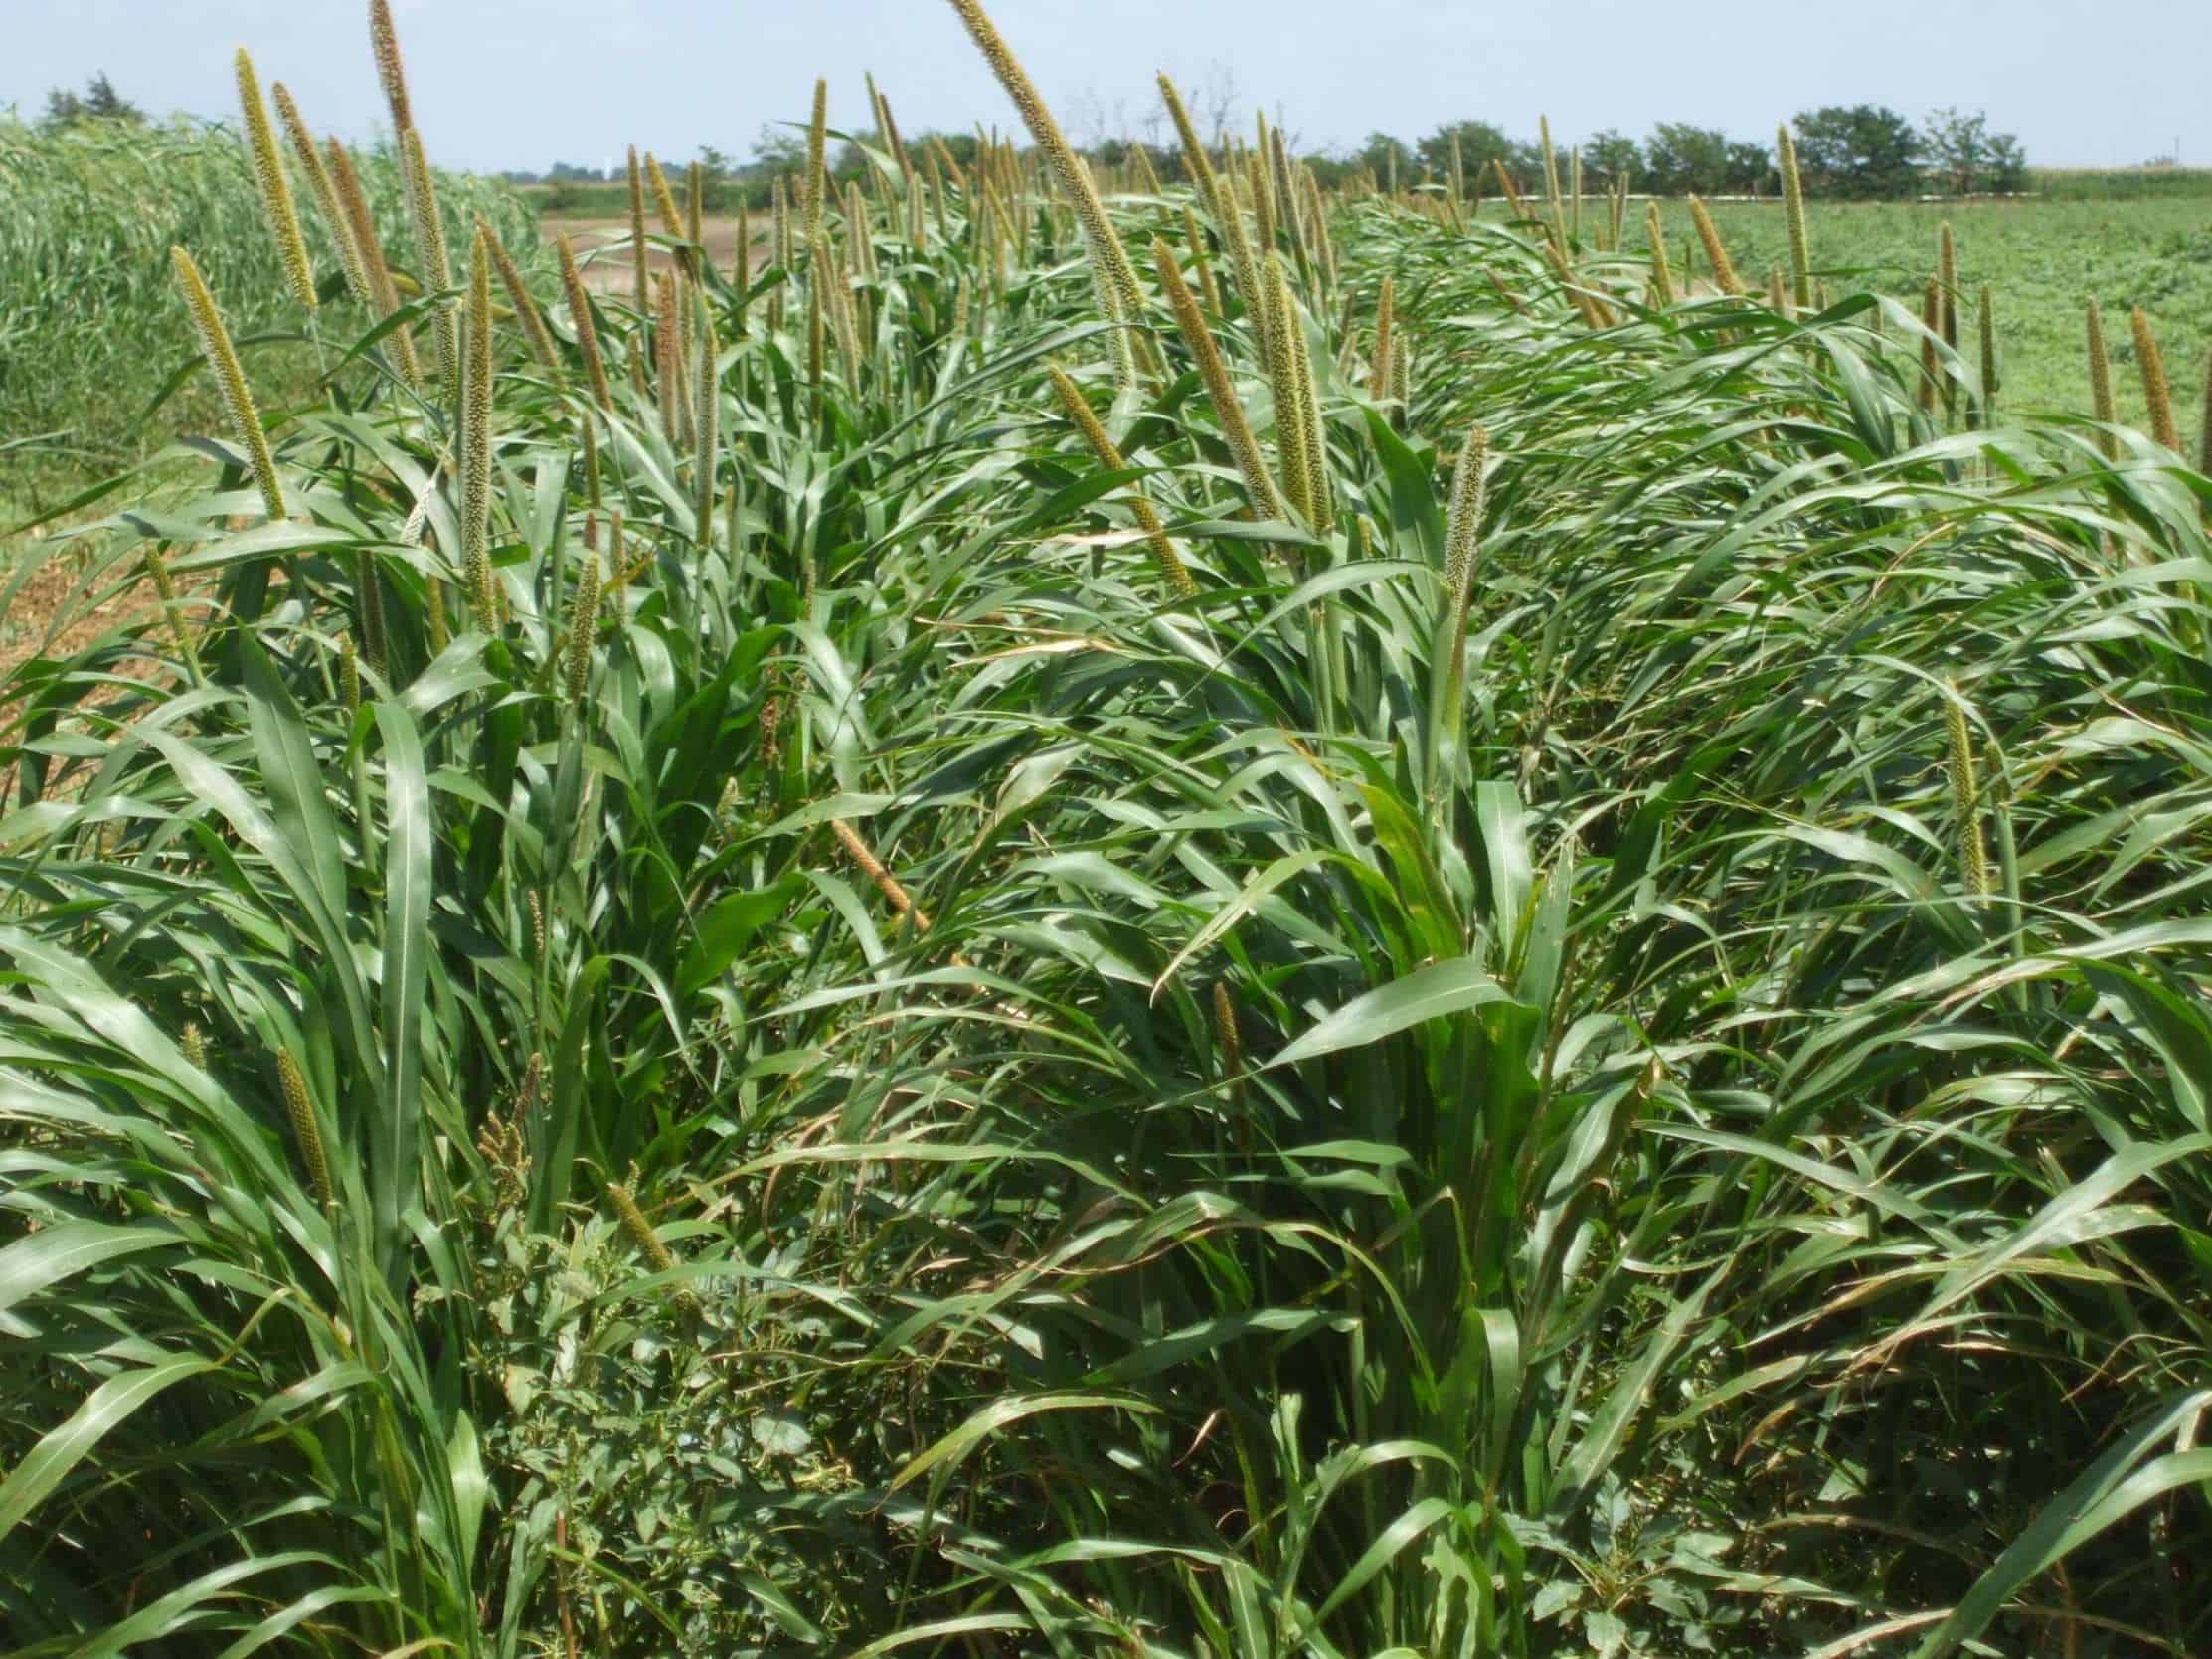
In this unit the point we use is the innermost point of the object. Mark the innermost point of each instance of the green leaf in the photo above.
(409, 850)
(66, 1248)
(60, 1450)
(2109, 1491)
(1430, 993)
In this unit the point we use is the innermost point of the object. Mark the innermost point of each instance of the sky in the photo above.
(521, 84)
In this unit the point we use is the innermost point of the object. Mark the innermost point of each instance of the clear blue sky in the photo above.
(524, 83)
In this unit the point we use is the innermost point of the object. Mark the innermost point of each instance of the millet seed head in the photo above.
(269, 181)
(230, 380)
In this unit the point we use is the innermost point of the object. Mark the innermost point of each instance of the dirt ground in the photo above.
(611, 269)
(31, 608)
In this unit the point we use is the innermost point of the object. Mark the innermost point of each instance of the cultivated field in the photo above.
(2042, 260)
(1258, 925)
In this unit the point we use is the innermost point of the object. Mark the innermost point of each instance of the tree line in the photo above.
(1862, 151)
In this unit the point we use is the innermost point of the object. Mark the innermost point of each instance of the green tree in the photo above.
(1481, 145)
(721, 168)
(2008, 163)
(1379, 151)
(1612, 156)
(780, 149)
(1681, 158)
(1967, 156)
(1747, 168)
(100, 102)
(1862, 152)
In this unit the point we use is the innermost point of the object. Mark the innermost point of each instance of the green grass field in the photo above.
(1114, 931)
(2042, 259)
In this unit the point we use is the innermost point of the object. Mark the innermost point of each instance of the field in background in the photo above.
(2041, 258)
(2106, 183)
(91, 330)
(2130, 237)
(99, 369)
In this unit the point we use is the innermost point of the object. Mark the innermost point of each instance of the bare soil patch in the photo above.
(602, 247)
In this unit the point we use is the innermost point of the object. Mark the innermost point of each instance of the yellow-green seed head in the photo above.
(817, 170)
(2155, 390)
(667, 353)
(230, 380)
(1221, 390)
(369, 594)
(429, 249)
(1965, 799)
(583, 622)
(1794, 204)
(1196, 162)
(1226, 1036)
(299, 1108)
(475, 439)
(384, 41)
(638, 1228)
(1932, 325)
(333, 211)
(2204, 457)
(1386, 323)
(664, 199)
(1293, 450)
(1663, 277)
(1117, 276)
(1464, 529)
(1173, 572)
(534, 330)
(1716, 250)
(433, 616)
(705, 419)
(640, 266)
(276, 190)
(1321, 509)
(579, 317)
(384, 297)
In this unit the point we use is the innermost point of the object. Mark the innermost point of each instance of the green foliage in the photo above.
(1967, 158)
(1684, 159)
(2042, 258)
(1482, 148)
(1612, 156)
(2062, 184)
(1390, 158)
(91, 331)
(1448, 1093)
(1861, 153)
(99, 103)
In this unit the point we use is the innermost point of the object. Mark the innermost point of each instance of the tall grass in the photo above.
(90, 331)
(1592, 1041)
